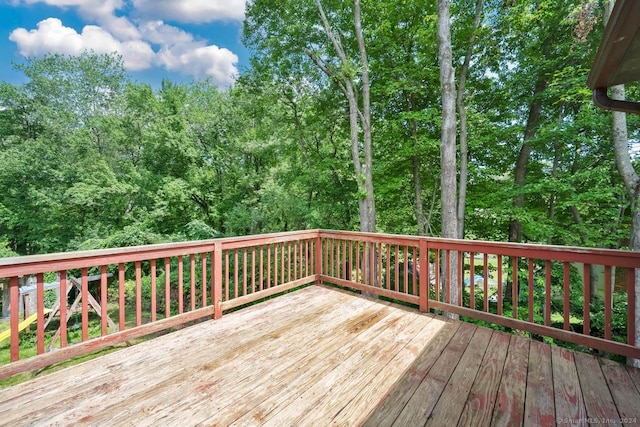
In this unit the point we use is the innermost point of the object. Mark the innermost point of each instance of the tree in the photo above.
(359, 117)
(462, 113)
(334, 43)
(631, 181)
(406, 100)
(59, 157)
(448, 145)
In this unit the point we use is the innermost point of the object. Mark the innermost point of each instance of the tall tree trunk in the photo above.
(552, 199)
(448, 143)
(631, 182)
(577, 218)
(367, 167)
(289, 99)
(358, 118)
(515, 227)
(632, 185)
(462, 113)
(417, 187)
(421, 219)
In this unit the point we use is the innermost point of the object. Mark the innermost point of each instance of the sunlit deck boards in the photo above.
(319, 357)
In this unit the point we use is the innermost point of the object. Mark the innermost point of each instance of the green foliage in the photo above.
(618, 317)
(90, 159)
(5, 251)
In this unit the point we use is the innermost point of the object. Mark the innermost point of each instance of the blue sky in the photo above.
(177, 40)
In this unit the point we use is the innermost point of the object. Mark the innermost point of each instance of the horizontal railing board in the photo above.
(256, 296)
(412, 299)
(372, 237)
(269, 239)
(32, 264)
(613, 257)
(560, 334)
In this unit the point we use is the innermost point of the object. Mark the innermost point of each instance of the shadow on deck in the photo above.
(320, 356)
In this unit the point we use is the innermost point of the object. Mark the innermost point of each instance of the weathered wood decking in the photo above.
(320, 356)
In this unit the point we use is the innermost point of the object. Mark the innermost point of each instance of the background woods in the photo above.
(456, 118)
(336, 124)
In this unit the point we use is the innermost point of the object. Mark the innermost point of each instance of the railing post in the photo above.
(424, 276)
(84, 291)
(40, 313)
(631, 307)
(216, 298)
(15, 318)
(318, 255)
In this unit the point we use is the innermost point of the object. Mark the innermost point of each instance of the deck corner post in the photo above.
(632, 306)
(318, 258)
(424, 277)
(216, 298)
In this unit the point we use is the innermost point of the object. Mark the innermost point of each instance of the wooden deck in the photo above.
(319, 356)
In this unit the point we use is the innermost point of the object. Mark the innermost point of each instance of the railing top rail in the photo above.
(621, 258)
(398, 239)
(16, 266)
(22, 265)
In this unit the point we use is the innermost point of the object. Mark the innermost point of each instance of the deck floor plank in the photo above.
(277, 388)
(539, 406)
(322, 401)
(321, 356)
(597, 397)
(623, 390)
(454, 396)
(479, 406)
(125, 375)
(358, 407)
(251, 359)
(510, 400)
(566, 385)
(56, 390)
(394, 401)
(419, 407)
(634, 373)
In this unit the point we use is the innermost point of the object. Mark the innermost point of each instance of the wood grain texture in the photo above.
(396, 398)
(509, 409)
(321, 356)
(539, 407)
(634, 373)
(419, 407)
(597, 397)
(454, 396)
(482, 397)
(566, 386)
(623, 390)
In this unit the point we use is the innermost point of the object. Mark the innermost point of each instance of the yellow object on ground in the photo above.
(26, 322)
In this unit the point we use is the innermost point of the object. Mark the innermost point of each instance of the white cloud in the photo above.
(207, 61)
(176, 49)
(88, 8)
(53, 37)
(182, 53)
(192, 11)
(120, 27)
(159, 33)
(101, 11)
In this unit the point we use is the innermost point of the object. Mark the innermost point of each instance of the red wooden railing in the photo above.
(404, 267)
(170, 284)
(143, 290)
